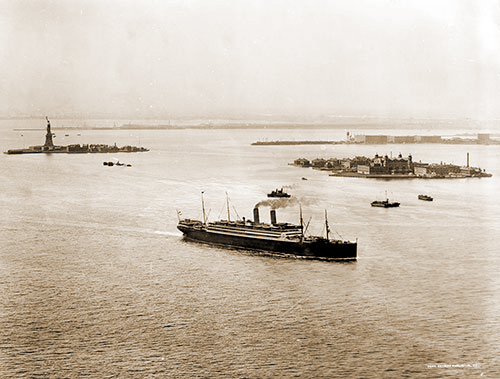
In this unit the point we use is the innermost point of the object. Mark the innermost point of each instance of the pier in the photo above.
(382, 139)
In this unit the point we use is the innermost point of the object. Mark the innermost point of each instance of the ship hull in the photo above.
(384, 204)
(318, 248)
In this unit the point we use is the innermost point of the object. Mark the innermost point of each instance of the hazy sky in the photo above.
(419, 58)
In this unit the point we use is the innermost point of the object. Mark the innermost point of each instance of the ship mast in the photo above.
(203, 207)
(301, 222)
(228, 210)
(326, 225)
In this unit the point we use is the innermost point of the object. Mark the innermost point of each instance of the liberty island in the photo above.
(49, 147)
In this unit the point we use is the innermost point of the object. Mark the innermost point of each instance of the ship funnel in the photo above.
(273, 216)
(256, 215)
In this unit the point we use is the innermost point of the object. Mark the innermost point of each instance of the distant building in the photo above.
(430, 139)
(483, 138)
(404, 139)
(443, 169)
(359, 161)
(319, 162)
(302, 162)
(333, 163)
(363, 169)
(359, 138)
(376, 139)
(383, 165)
(420, 169)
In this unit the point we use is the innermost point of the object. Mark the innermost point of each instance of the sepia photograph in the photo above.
(249, 189)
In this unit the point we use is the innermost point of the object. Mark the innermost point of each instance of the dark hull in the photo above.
(425, 198)
(384, 204)
(316, 248)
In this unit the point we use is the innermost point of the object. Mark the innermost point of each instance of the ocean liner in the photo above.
(284, 238)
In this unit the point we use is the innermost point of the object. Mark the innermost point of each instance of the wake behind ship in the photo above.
(277, 237)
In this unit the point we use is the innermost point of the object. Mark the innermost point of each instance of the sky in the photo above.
(215, 58)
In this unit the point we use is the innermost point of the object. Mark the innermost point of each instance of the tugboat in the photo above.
(425, 197)
(278, 193)
(117, 163)
(284, 238)
(385, 203)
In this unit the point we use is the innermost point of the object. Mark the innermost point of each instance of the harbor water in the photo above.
(97, 282)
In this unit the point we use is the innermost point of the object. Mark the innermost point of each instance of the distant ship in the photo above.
(117, 163)
(278, 193)
(425, 197)
(274, 237)
(385, 203)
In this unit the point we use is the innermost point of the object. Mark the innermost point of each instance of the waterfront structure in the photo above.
(429, 139)
(482, 139)
(375, 139)
(386, 167)
(302, 162)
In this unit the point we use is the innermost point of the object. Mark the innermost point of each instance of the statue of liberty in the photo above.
(48, 137)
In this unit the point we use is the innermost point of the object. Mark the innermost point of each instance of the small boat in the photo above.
(278, 193)
(117, 163)
(304, 178)
(385, 203)
(425, 197)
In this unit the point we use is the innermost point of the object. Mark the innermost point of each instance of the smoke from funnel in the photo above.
(278, 203)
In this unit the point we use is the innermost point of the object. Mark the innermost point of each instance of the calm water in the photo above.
(96, 281)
